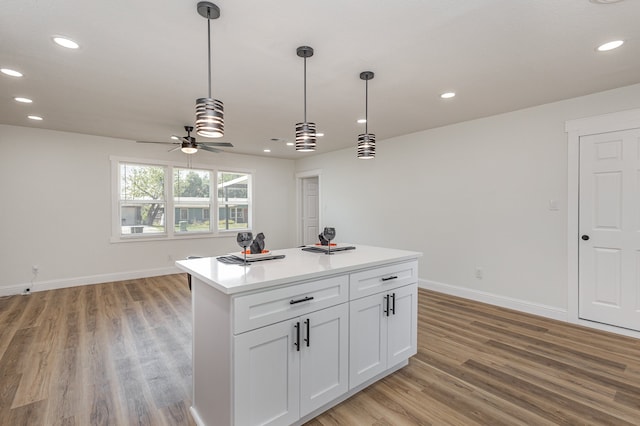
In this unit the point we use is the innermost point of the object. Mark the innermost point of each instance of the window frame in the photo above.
(170, 203)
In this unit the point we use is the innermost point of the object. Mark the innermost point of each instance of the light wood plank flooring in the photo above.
(120, 354)
(108, 354)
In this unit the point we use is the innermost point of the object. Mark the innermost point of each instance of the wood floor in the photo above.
(108, 354)
(120, 354)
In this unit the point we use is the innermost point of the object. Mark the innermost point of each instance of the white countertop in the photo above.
(296, 266)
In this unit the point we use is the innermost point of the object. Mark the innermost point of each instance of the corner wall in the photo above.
(471, 195)
(56, 210)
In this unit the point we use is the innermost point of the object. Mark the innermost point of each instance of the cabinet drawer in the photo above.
(384, 278)
(271, 306)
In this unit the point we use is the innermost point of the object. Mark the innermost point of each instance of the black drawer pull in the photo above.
(308, 339)
(306, 299)
(392, 277)
(393, 303)
(297, 342)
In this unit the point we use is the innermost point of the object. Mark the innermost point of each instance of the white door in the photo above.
(402, 325)
(609, 248)
(367, 338)
(310, 210)
(266, 372)
(324, 357)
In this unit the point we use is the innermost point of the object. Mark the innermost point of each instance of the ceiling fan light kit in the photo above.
(209, 111)
(188, 144)
(366, 140)
(305, 131)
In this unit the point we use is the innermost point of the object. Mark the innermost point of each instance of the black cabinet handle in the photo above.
(393, 305)
(306, 299)
(386, 302)
(297, 343)
(308, 339)
(585, 237)
(392, 277)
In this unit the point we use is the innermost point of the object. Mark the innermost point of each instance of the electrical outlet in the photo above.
(35, 269)
(479, 273)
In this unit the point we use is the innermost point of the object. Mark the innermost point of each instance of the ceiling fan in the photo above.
(188, 143)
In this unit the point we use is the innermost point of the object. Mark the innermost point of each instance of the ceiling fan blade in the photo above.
(226, 144)
(175, 148)
(162, 143)
(208, 148)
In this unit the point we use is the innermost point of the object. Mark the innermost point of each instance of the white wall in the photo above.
(474, 194)
(56, 210)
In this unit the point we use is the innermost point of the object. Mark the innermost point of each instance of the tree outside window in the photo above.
(192, 202)
(142, 198)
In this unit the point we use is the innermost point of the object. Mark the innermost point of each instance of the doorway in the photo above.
(609, 222)
(603, 257)
(308, 184)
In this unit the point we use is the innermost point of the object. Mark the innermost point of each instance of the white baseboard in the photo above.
(196, 416)
(607, 327)
(91, 279)
(497, 300)
(522, 306)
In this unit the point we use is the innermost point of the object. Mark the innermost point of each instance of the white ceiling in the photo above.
(142, 64)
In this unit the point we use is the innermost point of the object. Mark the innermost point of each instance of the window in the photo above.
(142, 199)
(163, 200)
(233, 200)
(191, 199)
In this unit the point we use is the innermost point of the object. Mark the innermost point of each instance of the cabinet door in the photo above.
(402, 325)
(367, 338)
(266, 373)
(324, 357)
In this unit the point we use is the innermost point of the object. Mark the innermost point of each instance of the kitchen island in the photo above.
(279, 341)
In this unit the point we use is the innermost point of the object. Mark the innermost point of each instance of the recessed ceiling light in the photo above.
(448, 95)
(610, 45)
(34, 117)
(267, 150)
(319, 135)
(290, 144)
(12, 73)
(605, 1)
(22, 100)
(65, 42)
(361, 120)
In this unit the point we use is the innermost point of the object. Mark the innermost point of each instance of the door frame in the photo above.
(612, 122)
(299, 200)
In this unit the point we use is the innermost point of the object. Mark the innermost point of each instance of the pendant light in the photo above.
(366, 140)
(305, 131)
(209, 111)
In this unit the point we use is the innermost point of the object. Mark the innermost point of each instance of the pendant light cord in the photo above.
(209, 46)
(305, 89)
(366, 106)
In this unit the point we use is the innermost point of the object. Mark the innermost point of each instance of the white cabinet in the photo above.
(383, 278)
(266, 372)
(286, 370)
(382, 332)
(268, 307)
(279, 342)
